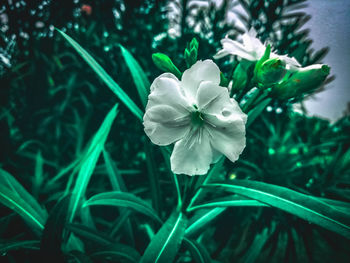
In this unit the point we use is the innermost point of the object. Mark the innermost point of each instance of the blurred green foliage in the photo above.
(52, 104)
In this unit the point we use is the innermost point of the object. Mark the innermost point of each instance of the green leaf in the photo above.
(229, 201)
(90, 234)
(140, 79)
(118, 184)
(117, 253)
(107, 79)
(202, 220)
(153, 177)
(38, 178)
(113, 173)
(90, 159)
(122, 199)
(17, 245)
(166, 243)
(256, 111)
(14, 196)
(256, 247)
(304, 206)
(106, 246)
(198, 252)
(52, 238)
(78, 257)
(213, 173)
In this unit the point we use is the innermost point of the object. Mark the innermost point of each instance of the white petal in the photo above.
(214, 99)
(221, 53)
(167, 117)
(227, 135)
(247, 41)
(205, 70)
(165, 125)
(192, 155)
(290, 61)
(166, 90)
(236, 48)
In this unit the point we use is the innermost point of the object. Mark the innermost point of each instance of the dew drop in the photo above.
(226, 112)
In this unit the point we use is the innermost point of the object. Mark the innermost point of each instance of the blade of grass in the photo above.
(304, 206)
(106, 78)
(140, 79)
(15, 196)
(89, 161)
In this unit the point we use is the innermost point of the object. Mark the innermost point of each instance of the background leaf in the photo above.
(121, 199)
(140, 79)
(166, 243)
(14, 196)
(90, 159)
(304, 206)
(104, 76)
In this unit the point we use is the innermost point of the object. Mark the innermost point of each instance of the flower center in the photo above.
(197, 118)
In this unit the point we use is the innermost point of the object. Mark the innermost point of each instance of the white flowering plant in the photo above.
(215, 147)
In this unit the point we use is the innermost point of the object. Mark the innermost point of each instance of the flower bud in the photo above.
(271, 71)
(164, 63)
(301, 80)
(191, 52)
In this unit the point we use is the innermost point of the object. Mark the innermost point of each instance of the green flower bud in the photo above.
(271, 71)
(164, 63)
(194, 43)
(301, 80)
(191, 53)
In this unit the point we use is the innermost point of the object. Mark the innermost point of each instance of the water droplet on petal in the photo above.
(226, 112)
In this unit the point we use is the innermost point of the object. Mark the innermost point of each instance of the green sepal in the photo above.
(265, 57)
(271, 71)
(164, 63)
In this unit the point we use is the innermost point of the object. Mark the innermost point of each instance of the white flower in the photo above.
(198, 116)
(251, 49)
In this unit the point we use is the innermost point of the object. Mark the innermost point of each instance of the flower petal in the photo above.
(167, 117)
(165, 125)
(166, 90)
(205, 70)
(214, 99)
(192, 155)
(289, 61)
(226, 136)
(236, 48)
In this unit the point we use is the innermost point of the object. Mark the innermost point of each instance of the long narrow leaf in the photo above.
(52, 238)
(198, 252)
(166, 243)
(304, 206)
(107, 79)
(118, 184)
(255, 112)
(140, 79)
(117, 253)
(203, 220)
(90, 159)
(153, 177)
(227, 202)
(121, 199)
(14, 196)
(17, 245)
